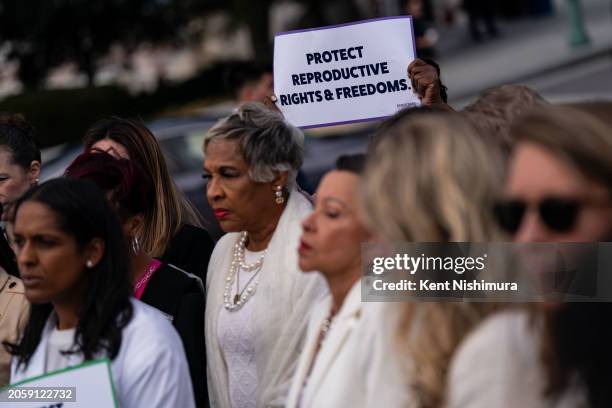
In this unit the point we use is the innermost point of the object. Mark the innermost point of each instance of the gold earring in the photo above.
(279, 195)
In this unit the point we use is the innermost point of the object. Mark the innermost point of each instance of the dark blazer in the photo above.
(190, 250)
(180, 296)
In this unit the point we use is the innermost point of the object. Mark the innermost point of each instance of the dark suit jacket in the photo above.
(180, 296)
(190, 250)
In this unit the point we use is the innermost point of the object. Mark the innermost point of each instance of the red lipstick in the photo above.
(220, 213)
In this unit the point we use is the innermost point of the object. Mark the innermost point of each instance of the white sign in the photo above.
(84, 386)
(347, 73)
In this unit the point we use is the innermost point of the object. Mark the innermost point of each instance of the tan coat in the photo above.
(14, 310)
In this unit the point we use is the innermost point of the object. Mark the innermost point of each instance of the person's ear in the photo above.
(280, 179)
(95, 252)
(133, 225)
(33, 172)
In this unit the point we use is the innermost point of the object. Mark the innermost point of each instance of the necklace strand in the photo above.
(238, 262)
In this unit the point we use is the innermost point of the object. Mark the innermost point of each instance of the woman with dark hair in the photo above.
(19, 170)
(73, 261)
(19, 160)
(172, 230)
(331, 243)
(346, 360)
(177, 294)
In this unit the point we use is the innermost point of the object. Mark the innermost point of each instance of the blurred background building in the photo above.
(141, 44)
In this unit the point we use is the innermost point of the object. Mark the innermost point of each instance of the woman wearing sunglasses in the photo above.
(559, 189)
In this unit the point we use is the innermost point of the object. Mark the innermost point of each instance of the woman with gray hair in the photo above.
(257, 298)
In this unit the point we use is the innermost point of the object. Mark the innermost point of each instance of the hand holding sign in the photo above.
(346, 73)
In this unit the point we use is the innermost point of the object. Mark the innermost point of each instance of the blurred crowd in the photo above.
(112, 261)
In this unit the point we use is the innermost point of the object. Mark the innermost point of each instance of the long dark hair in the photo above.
(575, 347)
(84, 213)
(7, 256)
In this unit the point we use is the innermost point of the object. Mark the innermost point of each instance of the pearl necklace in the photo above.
(238, 262)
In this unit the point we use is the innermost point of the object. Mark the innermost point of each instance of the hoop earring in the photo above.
(279, 195)
(135, 245)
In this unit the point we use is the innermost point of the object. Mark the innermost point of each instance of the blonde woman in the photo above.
(172, 231)
(429, 178)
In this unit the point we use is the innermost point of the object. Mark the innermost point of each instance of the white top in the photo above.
(236, 337)
(284, 298)
(356, 366)
(149, 371)
(498, 365)
(59, 340)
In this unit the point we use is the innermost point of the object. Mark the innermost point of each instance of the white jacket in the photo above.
(356, 365)
(499, 365)
(282, 303)
(150, 370)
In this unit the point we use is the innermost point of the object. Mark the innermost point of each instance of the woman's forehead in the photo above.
(6, 159)
(219, 152)
(339, 185)
(35, 217)
(534, 167)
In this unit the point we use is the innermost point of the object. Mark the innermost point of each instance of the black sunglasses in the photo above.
(558, 214)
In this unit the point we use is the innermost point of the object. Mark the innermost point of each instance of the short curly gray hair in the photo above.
(268, 143)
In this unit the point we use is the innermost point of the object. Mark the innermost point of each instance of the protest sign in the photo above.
(346, 73)
(83, 386)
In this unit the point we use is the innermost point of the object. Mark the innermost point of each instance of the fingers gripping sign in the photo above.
(426, 83)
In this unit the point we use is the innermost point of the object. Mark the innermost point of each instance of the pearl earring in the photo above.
(279, 195)
(89, 263)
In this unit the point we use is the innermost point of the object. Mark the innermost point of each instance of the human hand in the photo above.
(425, 82)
